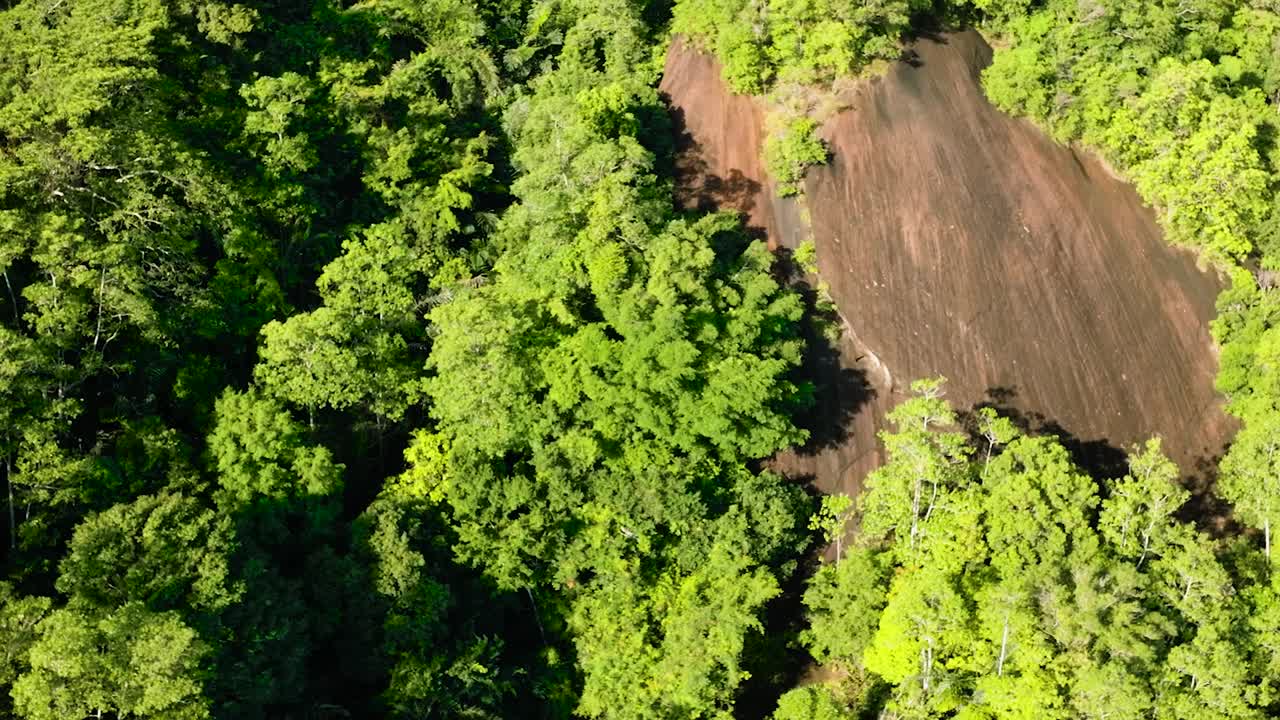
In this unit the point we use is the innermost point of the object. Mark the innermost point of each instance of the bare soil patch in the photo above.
(718, 143)
(959, 241)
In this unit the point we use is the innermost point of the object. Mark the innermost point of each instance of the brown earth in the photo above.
(962, 242)
(718, 136)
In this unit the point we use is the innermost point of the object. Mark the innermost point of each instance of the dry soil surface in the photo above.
(959, 241)
(718, 137)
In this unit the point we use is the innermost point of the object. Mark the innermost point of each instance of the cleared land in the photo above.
(962, 242)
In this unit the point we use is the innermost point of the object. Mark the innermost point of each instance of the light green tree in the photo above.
(1209, 678)
(843, 604)
(259, 452)
(673, 648)
(1039, 506)
(996, 431)
(19, 618)
(791, 146)
(1250, 474)
(832, 519)
(926, 623)
(1014, 660)
(166, 551)
(925, 460)
(1136, 517)
(130, 662)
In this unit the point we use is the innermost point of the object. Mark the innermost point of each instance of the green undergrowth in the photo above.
(796, 54)
(792, 146)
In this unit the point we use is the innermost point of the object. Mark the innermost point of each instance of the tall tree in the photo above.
(129, 662)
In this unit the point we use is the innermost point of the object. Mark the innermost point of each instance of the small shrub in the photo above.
(806, 257)
(810, 703)
(789, 150)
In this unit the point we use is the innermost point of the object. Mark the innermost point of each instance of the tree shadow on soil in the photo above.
(910, 56)
(838, 391)
(1098, 457)
(697, 188)
(1206, 508)
(1104, 461)
(923, 28)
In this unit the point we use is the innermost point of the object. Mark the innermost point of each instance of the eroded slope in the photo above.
(962, 242)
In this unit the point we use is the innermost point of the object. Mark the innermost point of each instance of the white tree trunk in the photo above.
(536, 617)
(1004, 646)
(926, 665)
(933, 501)
(13, 523)
(915, 512)
(1146, 545)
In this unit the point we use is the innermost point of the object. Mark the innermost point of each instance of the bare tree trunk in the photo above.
(102, 287)
(915, 512)
(1146, 544)
(13, 523)
(1266, 514)
(1004, 646)
(536, 617)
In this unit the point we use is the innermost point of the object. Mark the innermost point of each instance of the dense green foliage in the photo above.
(355, 362)
(1248, 330)
(764, 42)
(999, 581)
(596, 402)
(810, 703)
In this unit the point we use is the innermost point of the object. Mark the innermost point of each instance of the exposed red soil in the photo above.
(718, 136)
(719, 166)
(959, 241)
